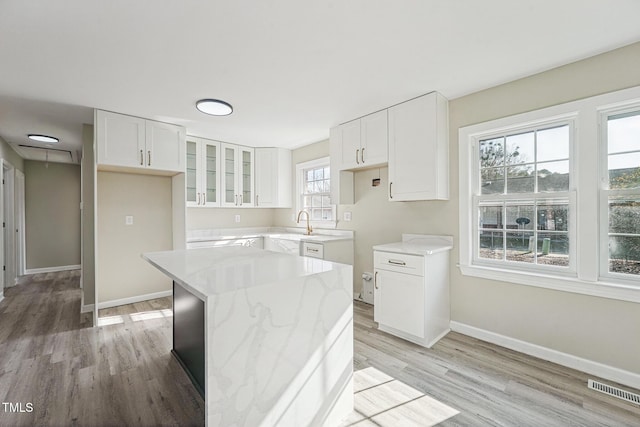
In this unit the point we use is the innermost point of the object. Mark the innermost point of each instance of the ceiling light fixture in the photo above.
(43, 138)
(214, 107)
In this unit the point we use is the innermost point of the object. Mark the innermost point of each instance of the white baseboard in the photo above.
(52, 269)
(611, 373)
(129, 300)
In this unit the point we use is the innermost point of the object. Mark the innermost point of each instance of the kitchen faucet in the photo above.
(309, 229)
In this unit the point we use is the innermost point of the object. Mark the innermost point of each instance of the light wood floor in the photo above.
(121, 373)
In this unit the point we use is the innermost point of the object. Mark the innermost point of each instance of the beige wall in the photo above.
(206, 218)
(120, 271)
(52, 214)
(584, 326)
(88, 199)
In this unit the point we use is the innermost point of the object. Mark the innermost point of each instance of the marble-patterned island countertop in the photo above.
(278, 334)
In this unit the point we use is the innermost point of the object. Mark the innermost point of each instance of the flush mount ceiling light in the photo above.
(43, 138)
(214, 107)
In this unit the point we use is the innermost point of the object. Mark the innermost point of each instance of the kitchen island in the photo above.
(266, 337)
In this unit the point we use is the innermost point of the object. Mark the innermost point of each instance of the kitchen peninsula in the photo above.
(267, 337)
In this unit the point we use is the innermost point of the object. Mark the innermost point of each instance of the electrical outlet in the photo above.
(237, 218)
(128, 220)
(347, 216)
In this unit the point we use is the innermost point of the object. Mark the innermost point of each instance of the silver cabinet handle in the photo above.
(375, 280)
(390, 193)
(241, 200)
(141, 158)
(357, 152)
(236, 200)
(396, 262)
(204, 199)
(149, 159)
(256, 200)
(198, 199)
(362, 155)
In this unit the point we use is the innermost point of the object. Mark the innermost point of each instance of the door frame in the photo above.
(8, 222)
(19, 199)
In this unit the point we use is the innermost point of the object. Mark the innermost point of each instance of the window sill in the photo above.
(575, 285)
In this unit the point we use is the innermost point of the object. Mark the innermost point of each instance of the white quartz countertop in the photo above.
(416, 244)
(273, 232)
(213, 271)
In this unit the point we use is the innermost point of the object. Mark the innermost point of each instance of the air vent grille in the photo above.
(615, 392)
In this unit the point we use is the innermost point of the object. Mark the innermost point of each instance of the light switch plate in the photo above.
(347, 216)
(237, 218)
(128, 220)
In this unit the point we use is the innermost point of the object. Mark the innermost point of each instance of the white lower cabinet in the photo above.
(399, 301)
(411, 293)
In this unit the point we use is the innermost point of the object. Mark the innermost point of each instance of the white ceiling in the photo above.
(291, 68)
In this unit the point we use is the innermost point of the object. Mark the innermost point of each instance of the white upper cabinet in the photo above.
(374, 145)
(126, 142)
(348, 139)
(363, 142)
(202, 172)
(419, 149)
(237, 175)
(273, 178)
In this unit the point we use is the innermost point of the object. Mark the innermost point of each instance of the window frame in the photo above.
(531, 197)
(587, 157)
(605, 193)
(300, 181)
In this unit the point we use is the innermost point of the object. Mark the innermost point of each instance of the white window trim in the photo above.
(605, 192)
(587, 158)
(300, 167)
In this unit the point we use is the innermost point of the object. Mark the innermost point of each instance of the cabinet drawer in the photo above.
(314, 250)
(402, 263)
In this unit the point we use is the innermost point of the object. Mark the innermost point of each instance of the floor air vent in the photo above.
(615, 392)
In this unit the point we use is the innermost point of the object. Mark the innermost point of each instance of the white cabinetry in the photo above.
(362, 143)
(126, 142)
(202, 172)
(419, 149)
(273, 178)
(411, 288)
(238, 170)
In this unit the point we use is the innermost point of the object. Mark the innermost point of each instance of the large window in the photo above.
(621, 198)
(523, 200)
(551, 198)
(314, 193)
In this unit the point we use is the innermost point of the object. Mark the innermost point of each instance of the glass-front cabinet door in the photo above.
(237, 175)
(202, 172)
(229, 177)
(247, 170)
(211, 180)
(192, 173)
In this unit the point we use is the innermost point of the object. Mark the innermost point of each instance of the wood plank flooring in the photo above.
(121, 373)
(462, 381)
